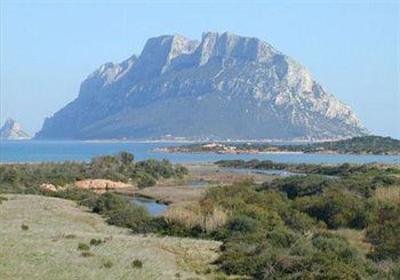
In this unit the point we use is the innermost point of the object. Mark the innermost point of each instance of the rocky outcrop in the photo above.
(223, 87)
(50, 188)
(11, 130)
(101, 185)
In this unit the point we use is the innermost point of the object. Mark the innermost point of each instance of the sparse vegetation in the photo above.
(36, 255)
(96, 242)
(87, 254)
(3, 199)
(107, 264)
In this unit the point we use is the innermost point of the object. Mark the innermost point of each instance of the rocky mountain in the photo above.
(222, 87)
(11, 130)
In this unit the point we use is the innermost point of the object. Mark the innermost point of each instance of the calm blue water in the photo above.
(154, 208)
(34, 151)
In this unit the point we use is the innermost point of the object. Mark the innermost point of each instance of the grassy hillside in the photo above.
(40, 238)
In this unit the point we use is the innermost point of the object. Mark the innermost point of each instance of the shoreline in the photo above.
(165, 150)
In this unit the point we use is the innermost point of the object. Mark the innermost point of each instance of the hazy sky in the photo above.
(48, 48)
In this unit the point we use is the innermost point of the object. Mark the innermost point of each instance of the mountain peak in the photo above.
(224, 87)
(229, 45)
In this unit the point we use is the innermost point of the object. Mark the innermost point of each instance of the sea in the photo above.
(55, 151)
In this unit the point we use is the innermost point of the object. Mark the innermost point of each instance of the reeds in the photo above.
(190, 216)
(390, 194)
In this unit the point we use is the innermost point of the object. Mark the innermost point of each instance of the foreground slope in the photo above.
(225, 86)
(46, 250)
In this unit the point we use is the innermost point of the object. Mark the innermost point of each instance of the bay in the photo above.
(38, 151)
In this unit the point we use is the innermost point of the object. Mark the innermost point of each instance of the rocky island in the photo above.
(224, 86)
(11, 130)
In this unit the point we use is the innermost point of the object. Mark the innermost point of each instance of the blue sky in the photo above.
(48, 47)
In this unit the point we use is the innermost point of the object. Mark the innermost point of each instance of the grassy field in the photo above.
(40, 238)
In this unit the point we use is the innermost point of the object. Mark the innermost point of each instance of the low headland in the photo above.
(375, 145)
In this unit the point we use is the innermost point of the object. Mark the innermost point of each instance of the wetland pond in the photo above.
(153, 207)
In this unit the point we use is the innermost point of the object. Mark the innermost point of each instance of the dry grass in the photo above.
(173, 194)
(216, 175)
(390, 194)
(192, 215)
(46, 251)
(356, 238)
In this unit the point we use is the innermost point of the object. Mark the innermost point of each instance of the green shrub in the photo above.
(24, 227)
(109, 202)
(242, 224)
(95, 242)
(336, 246)
(131, 216)
(336, 208)
(144, 179)
(87, 254)
(2, 198)
(108, 264)
(83, 247)
(137, 264)
(298, 186)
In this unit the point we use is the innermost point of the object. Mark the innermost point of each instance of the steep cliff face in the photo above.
(225, 86)
(11, 130)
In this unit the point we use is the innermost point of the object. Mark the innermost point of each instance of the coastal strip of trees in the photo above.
(27, 178)
(376, 145)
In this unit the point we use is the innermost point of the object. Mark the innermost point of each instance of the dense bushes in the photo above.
(109, 202)
(121, 212)
(286, 229)
(383, 231)
(297, 186)
(264, 239)
(27, 178)
(335, 207)
(131, 216)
